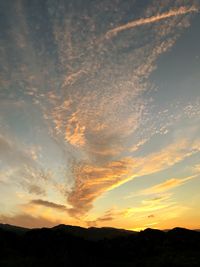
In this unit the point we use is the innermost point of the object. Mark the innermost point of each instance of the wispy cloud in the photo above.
(197, 168)
(140, 213)
(20, 167)
(108, 216)
(102, 138)
(93, 93)
(167, 185)
(176, 12)
(35, 189)
(115, 214)
(48, 204)
(91, 181)
(12, 154)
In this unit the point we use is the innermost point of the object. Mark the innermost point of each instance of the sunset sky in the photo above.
(100, 113)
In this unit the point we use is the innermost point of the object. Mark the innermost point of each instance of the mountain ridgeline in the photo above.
(65, 245)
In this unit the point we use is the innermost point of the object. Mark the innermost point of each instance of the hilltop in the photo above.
(66, 245)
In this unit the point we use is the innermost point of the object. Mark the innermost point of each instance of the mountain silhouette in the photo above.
(13, 228)
(93, 233)
(66, 245)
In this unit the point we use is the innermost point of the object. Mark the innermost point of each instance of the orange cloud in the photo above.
(98, 103)
(139, 214)
(108, 216)
(75, 132)
(48, 204)
(167, 157)
(92, 180)
(71, 78)
(180, 11)
(167, 185)
(97, 114)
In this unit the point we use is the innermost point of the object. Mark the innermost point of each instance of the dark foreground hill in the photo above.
(62, 246)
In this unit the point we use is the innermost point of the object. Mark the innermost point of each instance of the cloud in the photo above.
(92, 181)
(11, 154)
(151, 216)
(159, 198)
(75, 132)
(108, 216)
(176, 12)
(103, 106)
(101, 139)
(19, 166)
(166, 157)
(94, 95)
(71, 78)
(148, 208)
(167, 185)
(138, 145)
(197, 168)
(35, 189)
(48, 204)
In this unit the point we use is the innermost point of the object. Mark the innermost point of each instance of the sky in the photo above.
(100, 113)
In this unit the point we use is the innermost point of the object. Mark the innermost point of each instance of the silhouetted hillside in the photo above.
(93, 233)
(13, 228)
(76, 246)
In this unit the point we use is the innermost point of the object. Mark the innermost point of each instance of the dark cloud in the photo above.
(35, 189)
(109, 215)
(49, 204)
(151, 216)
